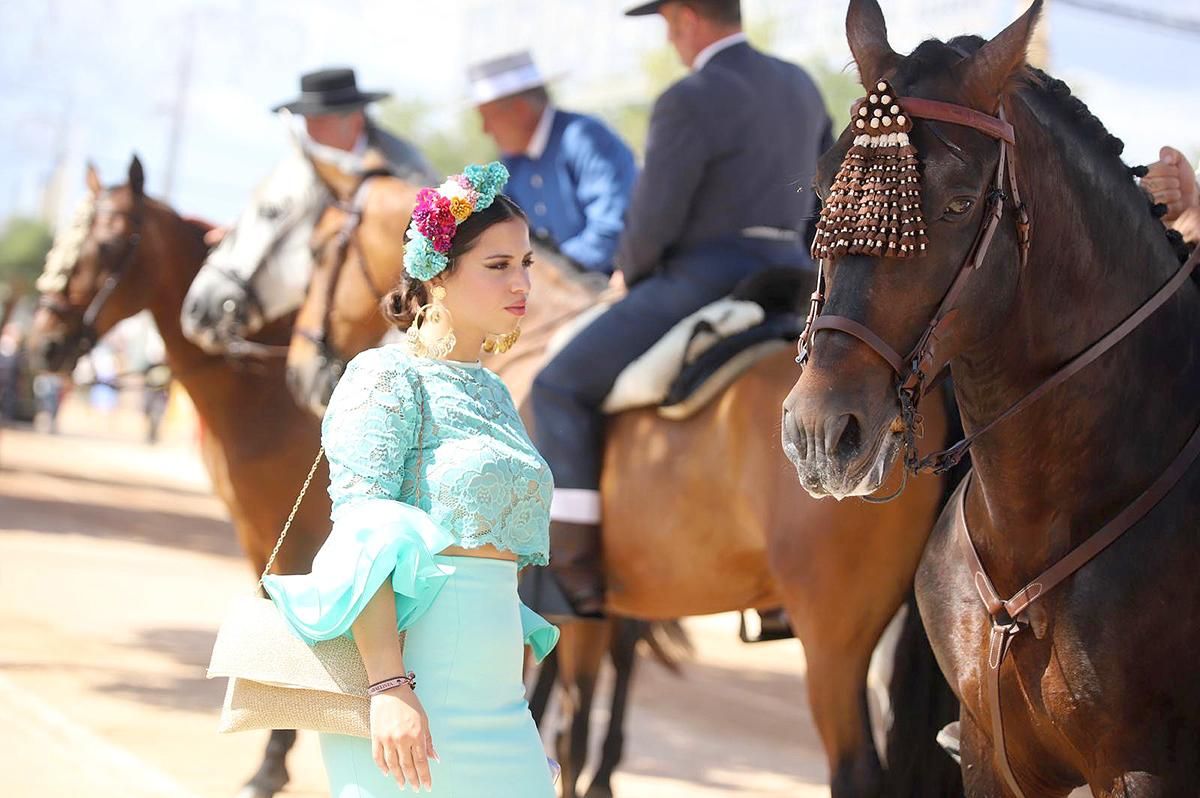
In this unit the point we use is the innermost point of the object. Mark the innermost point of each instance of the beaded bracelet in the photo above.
(409, 679)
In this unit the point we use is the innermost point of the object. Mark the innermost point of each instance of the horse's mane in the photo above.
(68, 243)
(934, 55)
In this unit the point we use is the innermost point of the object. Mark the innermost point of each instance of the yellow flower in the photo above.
(461, 208)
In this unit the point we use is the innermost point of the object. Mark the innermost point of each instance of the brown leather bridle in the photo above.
(344, 239)
(86, 336)
(914, 372)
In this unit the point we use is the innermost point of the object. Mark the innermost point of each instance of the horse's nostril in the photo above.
(850, 439)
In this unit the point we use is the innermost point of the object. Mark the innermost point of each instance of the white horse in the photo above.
(261, 269)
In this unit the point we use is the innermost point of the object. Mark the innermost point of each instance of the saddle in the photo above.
(705, 352)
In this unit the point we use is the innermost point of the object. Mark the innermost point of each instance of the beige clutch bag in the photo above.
(276, 680)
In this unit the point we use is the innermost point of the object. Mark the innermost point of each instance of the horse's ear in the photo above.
(866, 32)
(989, 70)
(93, 180)
(137, 177)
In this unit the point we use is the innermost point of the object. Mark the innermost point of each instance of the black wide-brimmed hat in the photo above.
(329, 91)
(645, 9)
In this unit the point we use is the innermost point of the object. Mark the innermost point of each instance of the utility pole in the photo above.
(178, 110)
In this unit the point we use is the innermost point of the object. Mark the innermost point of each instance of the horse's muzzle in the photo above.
(213, 320)
(834, 457)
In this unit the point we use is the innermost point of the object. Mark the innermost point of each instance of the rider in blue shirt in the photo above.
(570, 172)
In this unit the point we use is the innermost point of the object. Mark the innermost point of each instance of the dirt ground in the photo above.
(116, 566)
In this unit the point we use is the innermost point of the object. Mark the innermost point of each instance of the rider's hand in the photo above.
(215, 236)
(1188, 225)
(400, 741)
(617, 281)
(1172, 181)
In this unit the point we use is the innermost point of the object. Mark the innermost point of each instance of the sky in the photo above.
(188, 84)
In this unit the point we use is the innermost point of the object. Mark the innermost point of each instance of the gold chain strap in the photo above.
(313, 470)
(291, 516)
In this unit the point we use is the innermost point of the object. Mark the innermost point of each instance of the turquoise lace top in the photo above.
(423, 454)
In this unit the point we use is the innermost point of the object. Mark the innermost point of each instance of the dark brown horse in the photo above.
(728, 530)
(127, 253)
(1098, 677)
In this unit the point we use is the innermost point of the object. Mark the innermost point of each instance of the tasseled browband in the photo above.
(874, 204)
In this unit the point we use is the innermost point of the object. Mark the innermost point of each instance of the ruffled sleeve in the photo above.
(540, 635)
(368, 432)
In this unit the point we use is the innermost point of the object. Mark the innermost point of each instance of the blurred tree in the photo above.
(449, 148)
(23, 247)
(840, 88)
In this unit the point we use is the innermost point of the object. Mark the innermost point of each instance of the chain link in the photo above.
(292, 515)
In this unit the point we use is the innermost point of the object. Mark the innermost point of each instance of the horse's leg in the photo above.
(272, 774)
(580, 652)
(623, 653)
(922, 705)
(837, 678)
(543, 687)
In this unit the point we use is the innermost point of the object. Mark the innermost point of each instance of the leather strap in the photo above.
(1006, 614)
(862, 333)
(1089, 355)
(937, 111)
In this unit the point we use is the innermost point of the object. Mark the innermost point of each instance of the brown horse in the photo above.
(728, 530)
(1095, 679)
(127, 253)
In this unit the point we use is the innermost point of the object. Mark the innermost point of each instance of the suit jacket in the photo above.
(577, 190)
(731, 146)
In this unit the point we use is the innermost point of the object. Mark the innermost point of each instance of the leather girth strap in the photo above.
(1006, 614)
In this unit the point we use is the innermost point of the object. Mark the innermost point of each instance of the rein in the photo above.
(914, 371)
(344, 239)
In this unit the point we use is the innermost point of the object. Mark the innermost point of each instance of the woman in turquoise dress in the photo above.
(439, 497)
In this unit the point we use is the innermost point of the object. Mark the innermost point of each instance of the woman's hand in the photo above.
(400, 741)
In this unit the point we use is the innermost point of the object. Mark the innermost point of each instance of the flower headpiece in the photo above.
(441, 210)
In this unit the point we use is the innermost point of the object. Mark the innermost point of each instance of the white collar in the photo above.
(706, 55)
(541, 135)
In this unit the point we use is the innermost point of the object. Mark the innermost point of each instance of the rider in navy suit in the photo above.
(724, 193)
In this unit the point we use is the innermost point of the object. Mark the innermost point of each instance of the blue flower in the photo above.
(488, 180)
(421, 260)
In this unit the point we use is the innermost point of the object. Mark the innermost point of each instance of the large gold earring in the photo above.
(433, 315)
(502, 343)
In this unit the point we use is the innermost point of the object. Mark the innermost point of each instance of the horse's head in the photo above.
(844, 422)
(94, 274)
(260, 270)
(357, 260)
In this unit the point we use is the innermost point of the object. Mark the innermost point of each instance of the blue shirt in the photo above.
(576, 190)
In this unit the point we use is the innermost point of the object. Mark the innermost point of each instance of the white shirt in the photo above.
(706, 55)
(541, 135)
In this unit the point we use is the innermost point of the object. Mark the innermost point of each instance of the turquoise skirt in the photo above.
(467, 649)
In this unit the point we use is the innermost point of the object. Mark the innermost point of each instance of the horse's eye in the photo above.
(959, 206)
(270, 212)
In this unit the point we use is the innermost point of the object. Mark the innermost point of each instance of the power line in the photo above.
(1156, 18)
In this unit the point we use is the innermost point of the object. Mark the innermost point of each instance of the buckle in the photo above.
(999, 639)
